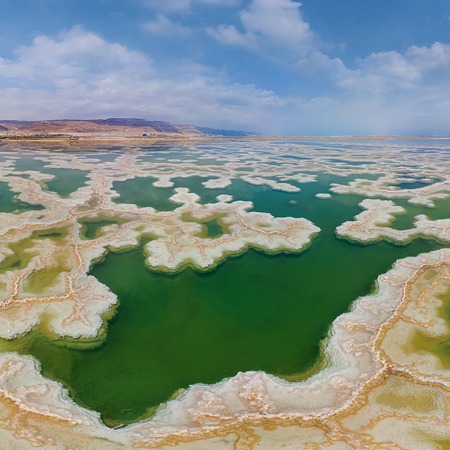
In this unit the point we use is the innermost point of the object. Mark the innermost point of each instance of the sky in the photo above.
(278, 67)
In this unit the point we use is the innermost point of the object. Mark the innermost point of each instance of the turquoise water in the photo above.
(65, 182)
(140, 192)
(9, 202)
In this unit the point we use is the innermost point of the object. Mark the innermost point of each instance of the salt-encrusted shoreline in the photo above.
(75, 301)
(372, 224)
(362, 358)
(349, 404)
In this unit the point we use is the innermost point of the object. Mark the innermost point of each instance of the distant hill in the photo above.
(124, 127)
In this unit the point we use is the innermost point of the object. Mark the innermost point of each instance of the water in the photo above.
(9, 203)
(254, 312)
(65, 182)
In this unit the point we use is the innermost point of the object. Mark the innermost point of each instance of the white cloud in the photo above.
(278, 21)
(316, 61)
(184, 5)
(219, 2)
(429, 58)
(79, 75)
(380, 72)
(229, 35)
(71, 54)
(167, 5)
(268, 26)
(417, 68)
(357, 114)
(163, 26)
(386, 93)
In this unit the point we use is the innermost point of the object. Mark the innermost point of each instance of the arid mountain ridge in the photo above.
(124, 127)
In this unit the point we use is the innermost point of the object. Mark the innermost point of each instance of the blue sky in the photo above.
(325, 67)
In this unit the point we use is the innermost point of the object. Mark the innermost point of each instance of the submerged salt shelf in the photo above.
(224, 276)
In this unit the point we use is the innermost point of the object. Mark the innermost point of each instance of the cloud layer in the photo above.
(78, 73)
(268, 25)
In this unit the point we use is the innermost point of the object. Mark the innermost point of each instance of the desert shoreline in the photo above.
(71, 139)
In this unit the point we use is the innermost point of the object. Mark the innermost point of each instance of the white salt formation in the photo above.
(371, 225)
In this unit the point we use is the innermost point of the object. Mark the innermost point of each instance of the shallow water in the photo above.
(65, 181)
(406, 220)
(9, 203)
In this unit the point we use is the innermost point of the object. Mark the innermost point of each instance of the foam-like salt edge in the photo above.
(323, 195)
(381, 188)
(337, 407)
(371, 224)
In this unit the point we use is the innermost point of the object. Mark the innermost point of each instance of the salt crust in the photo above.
(371, 224)
(76, 301)
(381, 188)
(355, 402)
(340, 407)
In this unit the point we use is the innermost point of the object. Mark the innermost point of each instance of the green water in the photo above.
(412, 185)
(406, 221)
(20, 251)
(443, 347)
(279, 203)
(29, 162)
(92, 229)
(10, 203)
(213, 228)
(66, 180)
(19, 258)
(140, 192)
(351, 163)
(438, 345)
(254, 312)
